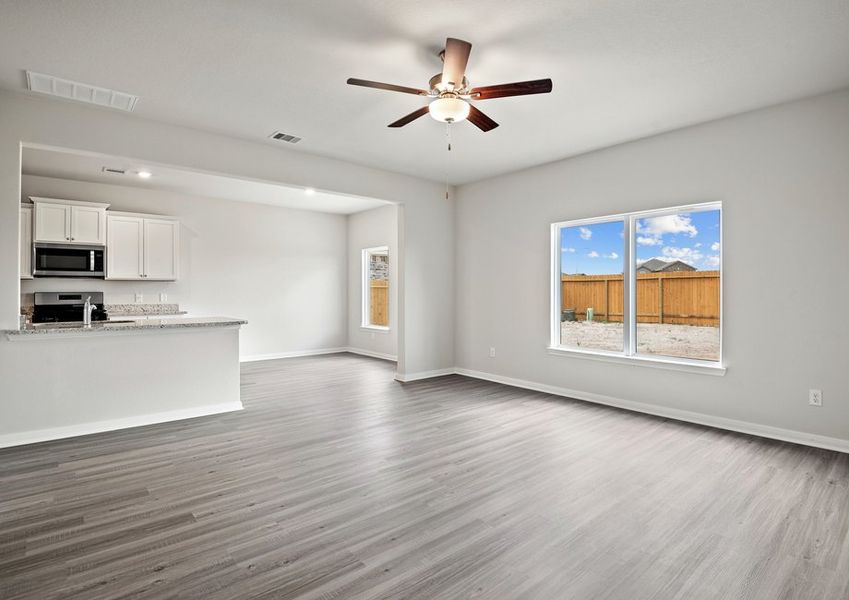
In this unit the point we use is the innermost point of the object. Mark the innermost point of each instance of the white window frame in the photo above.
(365, 301)
(629, 355)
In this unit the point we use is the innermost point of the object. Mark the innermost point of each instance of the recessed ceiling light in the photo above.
(309, 191)
(144, 174)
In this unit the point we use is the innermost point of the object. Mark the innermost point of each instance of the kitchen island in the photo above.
(70, 379)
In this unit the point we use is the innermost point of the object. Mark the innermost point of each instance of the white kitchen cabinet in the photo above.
(160, 248)
(124, 247)
(53, 222)
(143, 247)
(88, 225)
(69, 221)
(26, 242)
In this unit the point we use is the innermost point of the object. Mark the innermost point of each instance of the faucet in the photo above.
(87, 309)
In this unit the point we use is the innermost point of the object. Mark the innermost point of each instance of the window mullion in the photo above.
(629, 314)
(556, 286)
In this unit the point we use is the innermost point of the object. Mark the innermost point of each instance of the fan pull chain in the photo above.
(447, 156)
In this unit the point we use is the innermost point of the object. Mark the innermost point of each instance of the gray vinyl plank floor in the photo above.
(337, 482)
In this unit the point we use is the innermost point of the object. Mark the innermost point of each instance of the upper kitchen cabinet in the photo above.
(161, 237)
(69, 221)
(124, 247)
(26, 242)
(142, 247)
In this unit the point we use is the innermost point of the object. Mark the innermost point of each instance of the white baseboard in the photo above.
(56, 433)
(294, 354)
(424, 375)
(767, 431)
(363, 352)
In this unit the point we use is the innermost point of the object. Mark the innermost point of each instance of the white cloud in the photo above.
(688, 255)
(611, 256)
(570, 250)
(592, 254)
(697, 245)
(649, 241)
(585, 233)
(712, 261)
(715, 246)
(654, 228)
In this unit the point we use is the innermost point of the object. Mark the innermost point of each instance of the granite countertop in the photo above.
(123, 326)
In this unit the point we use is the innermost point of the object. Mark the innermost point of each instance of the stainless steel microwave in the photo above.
(68, 260)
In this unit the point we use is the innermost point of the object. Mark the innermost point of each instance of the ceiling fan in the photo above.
(451, 92)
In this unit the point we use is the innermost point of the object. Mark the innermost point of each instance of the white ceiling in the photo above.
(89, 167)
(621, 69)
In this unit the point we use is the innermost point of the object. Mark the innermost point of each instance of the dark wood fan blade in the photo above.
(386, 86)
(480, 120)
(520, 88)
(454, 61)
(410, 118)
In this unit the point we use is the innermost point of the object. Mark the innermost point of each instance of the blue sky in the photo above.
(597, 249)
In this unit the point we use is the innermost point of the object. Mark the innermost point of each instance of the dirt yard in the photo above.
(688, 341)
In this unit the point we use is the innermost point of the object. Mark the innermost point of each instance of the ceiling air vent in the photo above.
(114, 171)
(285, 137)
(81, 92)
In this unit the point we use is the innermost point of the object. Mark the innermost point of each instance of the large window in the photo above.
(376, 287)
(640, 285)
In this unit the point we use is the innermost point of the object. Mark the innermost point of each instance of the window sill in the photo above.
(672, 364)
(378, 328)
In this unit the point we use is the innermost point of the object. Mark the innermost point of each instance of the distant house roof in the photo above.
(656, 265)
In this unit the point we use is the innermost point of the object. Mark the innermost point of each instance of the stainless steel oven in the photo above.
(68, 260)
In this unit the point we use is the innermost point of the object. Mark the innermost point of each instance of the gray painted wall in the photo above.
(783, 177)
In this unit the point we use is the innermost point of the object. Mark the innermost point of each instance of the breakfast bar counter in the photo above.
(121, 326)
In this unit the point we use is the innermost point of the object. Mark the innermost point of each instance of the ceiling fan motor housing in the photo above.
(437, 88)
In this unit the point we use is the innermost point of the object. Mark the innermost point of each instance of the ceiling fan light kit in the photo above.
(447, 109)
(451, 93)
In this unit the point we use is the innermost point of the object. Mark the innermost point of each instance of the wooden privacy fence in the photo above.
(686, 297)
(379, 302)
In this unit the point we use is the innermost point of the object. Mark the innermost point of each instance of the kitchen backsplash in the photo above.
(117, 308)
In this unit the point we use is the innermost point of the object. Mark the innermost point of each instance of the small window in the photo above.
(376, 287)
(640, 285)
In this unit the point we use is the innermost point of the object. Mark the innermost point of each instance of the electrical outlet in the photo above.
(139, 298)
(492, 351)
(815, 397)
(163, 297)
